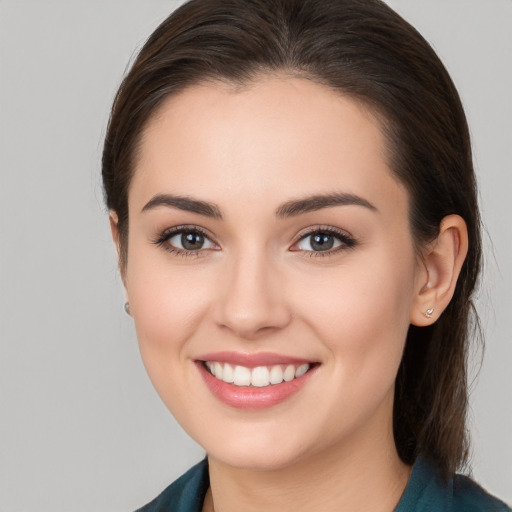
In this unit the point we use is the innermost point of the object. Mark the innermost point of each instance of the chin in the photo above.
(254, 460)
(263, 452)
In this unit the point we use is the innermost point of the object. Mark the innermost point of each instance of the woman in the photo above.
(293, 201)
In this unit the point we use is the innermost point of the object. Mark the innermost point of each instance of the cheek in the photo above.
(167, 303)
(362, 311)
(362, 321)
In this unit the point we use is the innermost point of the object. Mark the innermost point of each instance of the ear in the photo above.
(114, 229)
(439, 270)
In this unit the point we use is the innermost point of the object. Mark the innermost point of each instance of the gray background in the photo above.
(81, 428)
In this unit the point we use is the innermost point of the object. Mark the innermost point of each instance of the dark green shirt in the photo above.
(425, 492)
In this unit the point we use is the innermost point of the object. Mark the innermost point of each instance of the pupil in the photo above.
(322, 242)
(192, 241)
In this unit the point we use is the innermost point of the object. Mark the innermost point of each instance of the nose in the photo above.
(251, 302)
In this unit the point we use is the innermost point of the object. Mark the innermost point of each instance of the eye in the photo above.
(190, 241)
(324, 240)
(185, 240)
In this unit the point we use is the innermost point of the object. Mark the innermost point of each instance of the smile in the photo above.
(254, 381)
(260, 376)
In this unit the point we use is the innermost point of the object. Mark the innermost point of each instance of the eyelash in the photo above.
(347, 242)
(166, 235)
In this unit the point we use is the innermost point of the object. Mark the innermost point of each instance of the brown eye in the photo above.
(188, 240)
(192, 241)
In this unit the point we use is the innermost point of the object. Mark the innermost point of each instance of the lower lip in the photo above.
(250, 397)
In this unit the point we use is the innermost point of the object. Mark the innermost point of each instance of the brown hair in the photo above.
(365, 50)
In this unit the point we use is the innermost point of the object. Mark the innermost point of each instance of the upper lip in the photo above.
(252, 360)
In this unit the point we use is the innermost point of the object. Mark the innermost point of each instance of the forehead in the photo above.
(277, 136)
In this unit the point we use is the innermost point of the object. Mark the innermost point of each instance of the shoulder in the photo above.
(468, 496)
(186, 494)
(428, 492)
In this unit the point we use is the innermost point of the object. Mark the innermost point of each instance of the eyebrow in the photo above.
(184, 203)
(289, 209)
(318, 202)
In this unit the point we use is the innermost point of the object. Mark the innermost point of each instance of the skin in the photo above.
(258, 287)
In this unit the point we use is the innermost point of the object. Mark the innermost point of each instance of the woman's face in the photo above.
(268, 238)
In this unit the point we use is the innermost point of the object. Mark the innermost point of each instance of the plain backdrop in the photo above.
(81, 428)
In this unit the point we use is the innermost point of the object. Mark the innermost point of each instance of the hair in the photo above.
(363, 50)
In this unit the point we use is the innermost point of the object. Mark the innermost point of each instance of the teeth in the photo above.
(261, 376)
(241, 377)
(276, 375)
(301, 370)
(289, 373)
(218, 370)
(228, 374)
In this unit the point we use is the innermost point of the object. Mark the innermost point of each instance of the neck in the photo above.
(336, 480)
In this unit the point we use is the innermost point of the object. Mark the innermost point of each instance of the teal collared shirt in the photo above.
(425, 492)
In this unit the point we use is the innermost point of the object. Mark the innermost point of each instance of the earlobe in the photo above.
(442, 264)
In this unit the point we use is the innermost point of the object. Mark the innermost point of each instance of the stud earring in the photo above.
(429, 312)
(127, 308)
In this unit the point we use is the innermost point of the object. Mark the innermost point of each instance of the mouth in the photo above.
(259, 377)
(254, 382)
